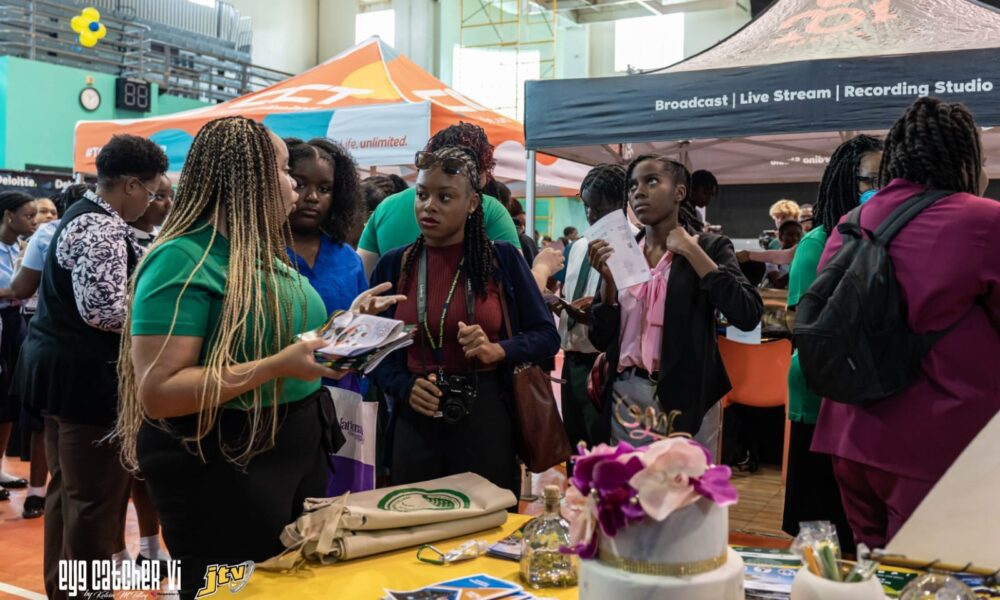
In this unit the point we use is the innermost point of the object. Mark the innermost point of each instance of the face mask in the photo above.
(865, 197)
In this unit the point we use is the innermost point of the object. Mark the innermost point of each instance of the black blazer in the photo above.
(692, 376)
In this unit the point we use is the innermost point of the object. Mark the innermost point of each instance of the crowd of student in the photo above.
(168, 319)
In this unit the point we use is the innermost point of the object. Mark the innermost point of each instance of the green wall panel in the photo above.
(40, 107)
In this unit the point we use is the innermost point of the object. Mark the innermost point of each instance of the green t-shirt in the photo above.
(394, 224)
(803, 404)
(167, 268)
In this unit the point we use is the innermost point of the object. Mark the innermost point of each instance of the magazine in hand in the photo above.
(358, 342)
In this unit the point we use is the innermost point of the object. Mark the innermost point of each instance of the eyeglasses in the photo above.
(869, 179)
(428, 160)
(153, 196)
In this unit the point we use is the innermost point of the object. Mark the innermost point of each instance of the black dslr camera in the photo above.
(458, 392)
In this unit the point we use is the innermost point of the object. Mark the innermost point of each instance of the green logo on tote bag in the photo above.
(413, 499)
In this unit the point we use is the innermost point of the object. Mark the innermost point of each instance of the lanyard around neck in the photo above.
(470, 303)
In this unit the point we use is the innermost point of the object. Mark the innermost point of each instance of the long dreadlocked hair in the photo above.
(230, 174)
(476, 246)
(346, 198)
(472, 138)
(687, 216)
(935, 144)
(838, 190)
(609, 181)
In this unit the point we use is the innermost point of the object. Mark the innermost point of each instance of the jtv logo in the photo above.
(235, 577)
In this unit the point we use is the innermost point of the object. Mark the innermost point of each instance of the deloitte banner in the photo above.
(37, 184)
(799, 97)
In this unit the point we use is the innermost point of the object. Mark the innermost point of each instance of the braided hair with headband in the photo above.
(477, 249)
(231, 174)
(838, 190)
(936, 144)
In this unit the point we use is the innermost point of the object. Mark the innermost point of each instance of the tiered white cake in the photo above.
(686, 557)
(653, 523)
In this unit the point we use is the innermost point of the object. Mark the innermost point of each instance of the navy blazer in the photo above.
(535, 335)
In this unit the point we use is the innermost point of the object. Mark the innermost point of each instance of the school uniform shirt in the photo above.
(337, 275)
(167, 271)
(9, 254)
(394, 224)
(576, 339)
(145, 238)
(948, 270)
(38, 246)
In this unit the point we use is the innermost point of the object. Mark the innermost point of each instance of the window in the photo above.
(649, 42)
(495, 78)
(377, 22)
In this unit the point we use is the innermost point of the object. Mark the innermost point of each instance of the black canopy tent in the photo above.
(770, 103)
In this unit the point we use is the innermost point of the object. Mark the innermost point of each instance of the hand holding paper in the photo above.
(622, 256)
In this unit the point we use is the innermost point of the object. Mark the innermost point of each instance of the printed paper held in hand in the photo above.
(627, 264)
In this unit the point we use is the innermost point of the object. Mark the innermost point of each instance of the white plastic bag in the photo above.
(354, 463)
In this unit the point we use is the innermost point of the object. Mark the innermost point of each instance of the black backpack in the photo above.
(855, 345)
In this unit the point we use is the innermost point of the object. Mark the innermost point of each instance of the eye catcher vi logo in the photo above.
(102, 578)
(235, 577)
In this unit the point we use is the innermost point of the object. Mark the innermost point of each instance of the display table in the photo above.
(368, 578)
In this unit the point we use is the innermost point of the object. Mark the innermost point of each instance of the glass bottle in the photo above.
(542, 564)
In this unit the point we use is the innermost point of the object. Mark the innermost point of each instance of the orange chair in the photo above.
(759, 375)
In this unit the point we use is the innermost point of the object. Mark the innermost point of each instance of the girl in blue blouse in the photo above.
(328, 204)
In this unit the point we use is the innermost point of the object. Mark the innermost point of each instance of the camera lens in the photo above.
(452, 412)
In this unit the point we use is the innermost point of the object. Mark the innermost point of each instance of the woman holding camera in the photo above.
(452, 408)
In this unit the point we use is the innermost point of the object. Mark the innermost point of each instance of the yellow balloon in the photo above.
(88, 39)
(103, 31)
(91, 13)
(78, 24)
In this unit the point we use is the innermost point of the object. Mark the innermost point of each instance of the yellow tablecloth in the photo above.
(367, 579)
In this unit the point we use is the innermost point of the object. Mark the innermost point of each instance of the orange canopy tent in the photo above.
(377, 103)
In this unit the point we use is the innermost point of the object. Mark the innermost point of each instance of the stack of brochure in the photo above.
(478, 587)
(359, 342)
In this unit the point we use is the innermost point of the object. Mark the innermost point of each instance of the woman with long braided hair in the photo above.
(660, 336)
(811, 492)
(219, 407)
(888, 455)
(451, 407)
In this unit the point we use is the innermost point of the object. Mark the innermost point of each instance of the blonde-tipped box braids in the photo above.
(230, 174)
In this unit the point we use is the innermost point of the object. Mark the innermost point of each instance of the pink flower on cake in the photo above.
(584, 463)
(665, 484)
(582, 512)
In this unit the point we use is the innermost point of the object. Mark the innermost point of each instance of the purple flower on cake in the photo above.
(715, 486)
(616, 486)
(587, 460)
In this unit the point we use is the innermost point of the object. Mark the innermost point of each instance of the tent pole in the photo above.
(529, 209)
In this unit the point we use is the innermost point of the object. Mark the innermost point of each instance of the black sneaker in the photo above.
(14, 484)
(34, 507)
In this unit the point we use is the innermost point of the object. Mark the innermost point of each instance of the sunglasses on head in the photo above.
(428, 160)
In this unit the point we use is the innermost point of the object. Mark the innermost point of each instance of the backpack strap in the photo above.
(898, 219)
(852, 224)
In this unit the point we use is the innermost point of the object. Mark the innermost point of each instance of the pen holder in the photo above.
(808, 586)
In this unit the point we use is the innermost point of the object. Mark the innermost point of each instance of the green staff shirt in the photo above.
(803, 404)
(162, 277)
(394, 224)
